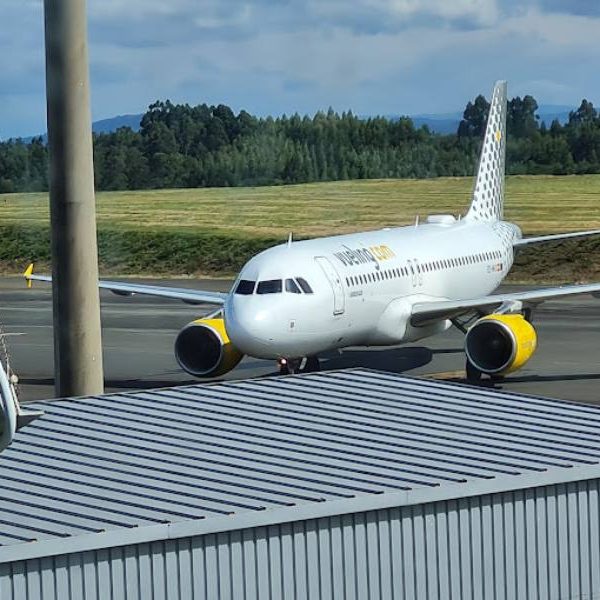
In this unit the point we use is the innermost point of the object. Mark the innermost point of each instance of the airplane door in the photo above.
(419, 272)
(413, 273)
(336, 284)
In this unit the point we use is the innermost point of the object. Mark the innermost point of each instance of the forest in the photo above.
(183, 146)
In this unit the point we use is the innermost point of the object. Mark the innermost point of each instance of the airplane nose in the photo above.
(248, 326)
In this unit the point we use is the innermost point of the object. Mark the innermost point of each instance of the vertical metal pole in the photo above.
(77, 336)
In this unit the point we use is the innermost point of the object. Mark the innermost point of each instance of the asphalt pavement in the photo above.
(139, 332)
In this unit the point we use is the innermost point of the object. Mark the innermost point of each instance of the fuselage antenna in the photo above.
(290, 240)
(417, 221)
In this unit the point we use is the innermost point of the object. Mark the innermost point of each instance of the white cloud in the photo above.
(138, 9)
(557, 31)
(481, 11)
(270, 56)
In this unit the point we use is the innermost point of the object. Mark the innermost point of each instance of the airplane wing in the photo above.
(428, 312)
(554, 238)
(129, 289)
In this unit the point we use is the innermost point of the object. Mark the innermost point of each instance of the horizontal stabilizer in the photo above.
(555, 237)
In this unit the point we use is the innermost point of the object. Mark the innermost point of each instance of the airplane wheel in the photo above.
(287, 367)
(308, 364)
(473, 373)
(312, 365)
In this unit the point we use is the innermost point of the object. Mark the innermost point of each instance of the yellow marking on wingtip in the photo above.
(28, 273)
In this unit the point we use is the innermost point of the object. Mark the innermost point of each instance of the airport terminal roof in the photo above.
(151, 465)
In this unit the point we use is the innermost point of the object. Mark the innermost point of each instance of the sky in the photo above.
(285, 56)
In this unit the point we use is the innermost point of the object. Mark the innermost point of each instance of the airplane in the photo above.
(297, 300)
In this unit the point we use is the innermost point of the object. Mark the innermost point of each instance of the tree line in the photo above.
(204, 146)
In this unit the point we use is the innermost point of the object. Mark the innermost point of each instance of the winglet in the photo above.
(28, 273)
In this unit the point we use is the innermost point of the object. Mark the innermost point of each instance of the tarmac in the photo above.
(139, 332)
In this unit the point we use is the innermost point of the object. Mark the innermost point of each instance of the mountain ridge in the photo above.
(443, 123)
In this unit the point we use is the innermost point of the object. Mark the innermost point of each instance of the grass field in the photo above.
(214, 231)
(537, 204)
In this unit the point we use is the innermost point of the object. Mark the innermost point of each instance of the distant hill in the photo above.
(109, 125)
(105, 125)
(448, 122)
(550, 112)
(439, 123)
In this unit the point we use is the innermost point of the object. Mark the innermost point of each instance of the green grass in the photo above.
(216, 230)
(537, 204)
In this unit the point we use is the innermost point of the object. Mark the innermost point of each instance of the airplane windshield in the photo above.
(292, 287)
(271, 286)
(304, 285)
(245, 287)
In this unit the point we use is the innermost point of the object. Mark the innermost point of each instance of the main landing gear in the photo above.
(289, 366)
(474, 375)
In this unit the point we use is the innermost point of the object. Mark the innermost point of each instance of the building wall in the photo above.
(538, 543)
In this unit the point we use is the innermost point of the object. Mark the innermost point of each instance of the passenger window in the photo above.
(292, 287)
(304, 285)
(245, 287)
(271, 286)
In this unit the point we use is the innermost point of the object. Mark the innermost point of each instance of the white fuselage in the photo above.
(363, 286)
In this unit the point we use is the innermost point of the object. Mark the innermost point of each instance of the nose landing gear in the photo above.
(307, 364)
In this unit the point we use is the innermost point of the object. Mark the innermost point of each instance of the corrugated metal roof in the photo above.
(132, 467)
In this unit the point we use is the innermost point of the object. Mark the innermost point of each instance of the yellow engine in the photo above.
(500, 344)
(203, 349)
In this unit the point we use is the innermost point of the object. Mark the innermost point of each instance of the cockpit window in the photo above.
(271, 286)
(304, 285)
(292, 287)
(245, 287)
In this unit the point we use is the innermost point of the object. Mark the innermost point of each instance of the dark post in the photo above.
(77, 337)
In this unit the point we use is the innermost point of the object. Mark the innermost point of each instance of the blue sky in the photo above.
(276, 56)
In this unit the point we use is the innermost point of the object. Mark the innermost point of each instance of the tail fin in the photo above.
(487, 203)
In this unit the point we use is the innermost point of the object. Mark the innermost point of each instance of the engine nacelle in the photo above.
(500, 344)
(203, 349)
